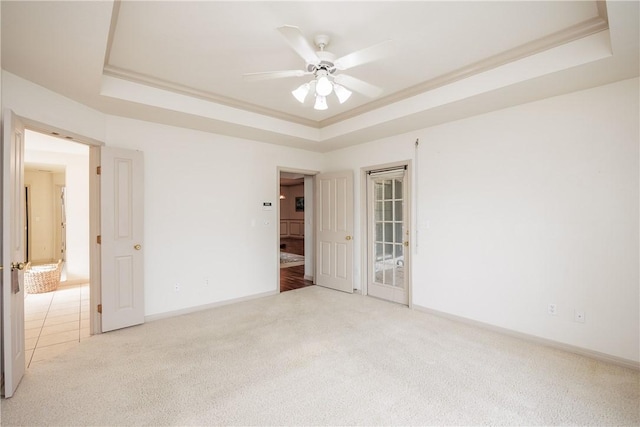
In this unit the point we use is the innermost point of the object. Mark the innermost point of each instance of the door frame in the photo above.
(308, 213)
(364, 223)
(95, 324)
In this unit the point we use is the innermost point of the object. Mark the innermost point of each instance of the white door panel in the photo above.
(334, 259)
(122, 275)
(13, 253)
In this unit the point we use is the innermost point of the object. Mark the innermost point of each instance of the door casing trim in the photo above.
(364, 239)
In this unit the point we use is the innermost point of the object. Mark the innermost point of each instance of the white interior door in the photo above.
(334, 222)
(13, 252)
(388, 238)
(121, 222)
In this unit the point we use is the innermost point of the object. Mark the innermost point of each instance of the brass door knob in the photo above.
(18, 265)
(348, 237)
(137, 247)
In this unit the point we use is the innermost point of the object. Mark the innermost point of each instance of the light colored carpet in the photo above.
(290, 260)
(319, 357)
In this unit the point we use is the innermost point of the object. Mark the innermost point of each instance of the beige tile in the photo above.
(65, 302)
(67, 290)
(36, 307)
(35, 316)
(61, 327)
(30, 343)
(32, 333)
(63, 288)
(64, 305)
(39, 298)
(46, 353)
(85, 323)
(56, 320)
(67, 297)
(58, 338)
(64, 312)
(33, 307)
(27, 357)
(31, 324)
(34, 300)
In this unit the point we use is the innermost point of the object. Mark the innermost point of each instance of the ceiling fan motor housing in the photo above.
(326, 63)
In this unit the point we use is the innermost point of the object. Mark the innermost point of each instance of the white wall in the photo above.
(204, 217)
(528, 206)
(41, 234)
(42, 105)
(198, 225)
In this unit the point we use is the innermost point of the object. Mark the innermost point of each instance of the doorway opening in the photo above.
(388, 250)
(57, 277)
(296, 231)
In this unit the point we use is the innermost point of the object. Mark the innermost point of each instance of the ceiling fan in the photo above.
(324, 67)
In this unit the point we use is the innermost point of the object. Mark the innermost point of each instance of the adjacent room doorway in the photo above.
(295, 230)
(57, 315)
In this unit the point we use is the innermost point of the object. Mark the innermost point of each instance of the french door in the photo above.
(388, 235)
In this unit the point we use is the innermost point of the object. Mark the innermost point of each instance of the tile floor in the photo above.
(55, 321)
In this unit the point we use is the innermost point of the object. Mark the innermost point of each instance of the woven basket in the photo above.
(42, 278)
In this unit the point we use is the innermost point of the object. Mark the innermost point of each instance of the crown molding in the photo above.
(112, 71)
(578, 31)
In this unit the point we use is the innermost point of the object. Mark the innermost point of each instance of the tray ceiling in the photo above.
(182, 62)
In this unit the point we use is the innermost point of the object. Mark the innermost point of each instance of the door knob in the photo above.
(137, 247)
(18, 265)
(348, 237)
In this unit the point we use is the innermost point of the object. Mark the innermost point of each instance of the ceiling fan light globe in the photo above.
(301, 92)
(323, 86)
(342, 93)
(321, 103)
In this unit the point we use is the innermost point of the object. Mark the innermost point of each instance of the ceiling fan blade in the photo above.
(368, 54)
(253, 77)
(300, 44)
(358, 85)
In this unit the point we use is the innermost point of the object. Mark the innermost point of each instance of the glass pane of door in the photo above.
(388, 225)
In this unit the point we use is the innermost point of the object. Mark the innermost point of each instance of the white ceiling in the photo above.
(182, 62)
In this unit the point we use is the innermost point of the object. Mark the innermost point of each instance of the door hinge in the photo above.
(99, 170)
(99, 239)
(100, 308)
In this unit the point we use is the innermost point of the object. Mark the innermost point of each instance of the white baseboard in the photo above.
(308, 277)
(197, 308)
(626, 363)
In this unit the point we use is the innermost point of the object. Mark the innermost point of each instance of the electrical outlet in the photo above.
(578, 316)
(552, 309)
(177, 287)
(206, 281)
